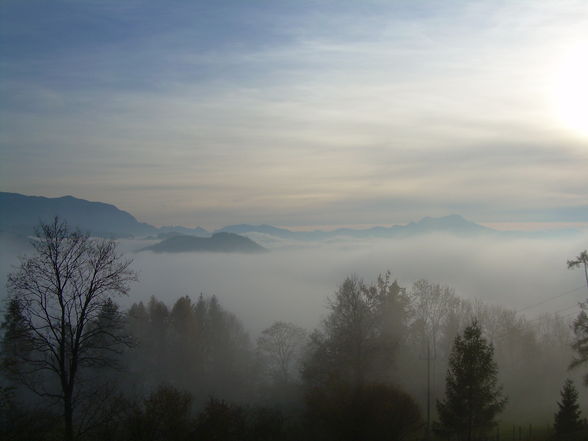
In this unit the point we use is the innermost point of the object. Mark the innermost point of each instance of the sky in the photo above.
(299, 112)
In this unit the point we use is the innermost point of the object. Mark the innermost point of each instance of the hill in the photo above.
(218, 243)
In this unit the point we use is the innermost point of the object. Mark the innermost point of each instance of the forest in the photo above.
(387, 362)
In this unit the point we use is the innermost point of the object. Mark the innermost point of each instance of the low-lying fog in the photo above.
(293, 280)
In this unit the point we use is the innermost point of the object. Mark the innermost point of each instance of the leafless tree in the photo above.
(580, 260)
(60, 319)
(280, 344)
(432, 305)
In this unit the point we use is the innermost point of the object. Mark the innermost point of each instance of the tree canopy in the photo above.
(567, 418)
(472, 397)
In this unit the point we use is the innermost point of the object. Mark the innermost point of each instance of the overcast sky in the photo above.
(299, 112)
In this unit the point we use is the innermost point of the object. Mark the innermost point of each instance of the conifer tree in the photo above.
(567, 418)
(473, 397)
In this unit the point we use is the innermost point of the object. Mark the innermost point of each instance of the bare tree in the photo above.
(580, 260)
(280, 344)
(61, 319)
(432, 305)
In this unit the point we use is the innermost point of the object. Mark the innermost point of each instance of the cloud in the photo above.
(292, 283)
(214, 112)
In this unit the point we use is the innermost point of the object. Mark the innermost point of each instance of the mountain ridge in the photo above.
(21, 214)
(453, 223)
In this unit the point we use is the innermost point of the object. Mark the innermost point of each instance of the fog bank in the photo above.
(293, 281)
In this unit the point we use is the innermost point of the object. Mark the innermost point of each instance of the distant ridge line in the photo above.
(21, 213)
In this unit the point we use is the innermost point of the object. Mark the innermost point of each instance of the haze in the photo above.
(299, 112)
(293, 281)
(452, 121)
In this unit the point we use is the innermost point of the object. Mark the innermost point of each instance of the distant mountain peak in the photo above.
(22, 213)
(453, 224)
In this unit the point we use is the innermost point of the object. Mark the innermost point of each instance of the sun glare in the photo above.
(571, 90)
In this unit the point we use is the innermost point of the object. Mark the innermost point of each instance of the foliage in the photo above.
(19, 424)
(567, 418)
(207, 352)
(348, 369)
(360, 336)
(165, 415)
(372, 411)
(472, 397)
(221, 421)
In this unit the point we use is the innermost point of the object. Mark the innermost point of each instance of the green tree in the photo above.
(350, 365)
(472, 396)
(61, 321)
(359, 338)
(567, 418)
(374, 411)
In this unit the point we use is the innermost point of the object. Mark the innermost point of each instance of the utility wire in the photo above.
(549, 299)
(555, 312)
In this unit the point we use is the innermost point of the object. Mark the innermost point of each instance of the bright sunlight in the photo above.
(571, 90)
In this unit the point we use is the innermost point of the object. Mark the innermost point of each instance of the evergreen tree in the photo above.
(472, 397)
(567, 419)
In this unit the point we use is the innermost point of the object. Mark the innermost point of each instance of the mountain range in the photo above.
(453, 224)
(20, 213)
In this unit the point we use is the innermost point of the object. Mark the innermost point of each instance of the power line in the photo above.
(528, 321)
(549, 299)
(542, 316)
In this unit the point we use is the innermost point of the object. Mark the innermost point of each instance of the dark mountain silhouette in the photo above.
(21, 214)
(219, 242)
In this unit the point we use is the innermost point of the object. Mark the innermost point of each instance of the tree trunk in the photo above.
(68, 416)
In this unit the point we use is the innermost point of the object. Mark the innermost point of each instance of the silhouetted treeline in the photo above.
(191, 371)
(194, 346)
